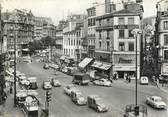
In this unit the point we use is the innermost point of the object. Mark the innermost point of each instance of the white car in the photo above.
(144, 80)
(156, 102)
(78, 98)
(103, 82)
(68, 89)
(47, 85)
(55, 82)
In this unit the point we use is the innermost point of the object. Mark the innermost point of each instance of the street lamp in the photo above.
(136, 32)
(14, 73)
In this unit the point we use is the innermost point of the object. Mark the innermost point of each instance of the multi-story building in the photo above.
(18, 25)
(72, 37)
(115, 45)
(92, 13)
(43, 27)
(161, 41)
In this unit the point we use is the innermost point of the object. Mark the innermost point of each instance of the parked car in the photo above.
(95, 102)
(55, 82)
(103, 82)
(144, 80)
(68, 89)
(81, 79)
(156, 102)
(33, 83)
(46, 66)
(77, 97)
(47, 85)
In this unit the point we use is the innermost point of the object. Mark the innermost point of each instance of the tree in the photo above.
(48, 41)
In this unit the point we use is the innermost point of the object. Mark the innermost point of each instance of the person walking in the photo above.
(129, 79)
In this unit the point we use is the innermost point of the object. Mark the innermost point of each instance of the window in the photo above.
(71, 42)
(165, 23)
(121, 33)
(130, 34)
(99, 44)
(100, 35)
(108, 34)
(121, 21)
(165, 54)
(121, 46)
(108, 45)
(131, 47)
(131, 20)
(99, 22)
(165, 39)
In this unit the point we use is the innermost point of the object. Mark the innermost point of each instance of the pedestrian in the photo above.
(129, 79)
(11, 90)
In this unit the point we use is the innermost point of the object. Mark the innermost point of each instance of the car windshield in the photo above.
(158, 100)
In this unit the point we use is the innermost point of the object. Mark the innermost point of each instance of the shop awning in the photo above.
(85, 62)
(26, 49)
(101, 65)
(62, 57)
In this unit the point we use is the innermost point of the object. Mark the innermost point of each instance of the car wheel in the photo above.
(97, 110)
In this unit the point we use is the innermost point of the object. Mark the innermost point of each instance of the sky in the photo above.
(59, 9)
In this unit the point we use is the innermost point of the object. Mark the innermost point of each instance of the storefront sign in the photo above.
(122, 60)
(126, 26)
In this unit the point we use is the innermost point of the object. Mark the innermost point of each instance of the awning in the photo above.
(85, 62)
(63, 57)
(26, 49)
(100, 65)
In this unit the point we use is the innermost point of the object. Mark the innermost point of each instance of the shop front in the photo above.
(123, 71)
(125, 66)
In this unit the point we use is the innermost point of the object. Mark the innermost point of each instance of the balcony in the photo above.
(106, 26)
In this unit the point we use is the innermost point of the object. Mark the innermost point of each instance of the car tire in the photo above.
(97, 110)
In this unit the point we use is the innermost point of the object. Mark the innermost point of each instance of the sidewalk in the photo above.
(10, 110)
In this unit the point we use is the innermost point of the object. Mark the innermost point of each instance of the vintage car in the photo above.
(78, 98)
(144, 80)
(95, 102)
(47, 85)
(46, 66)
(68, 89)
(156, 102)
(81, 79)
(103, 82)
(55, 82)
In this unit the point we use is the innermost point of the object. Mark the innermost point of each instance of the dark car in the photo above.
(46, 66)
(81, 79)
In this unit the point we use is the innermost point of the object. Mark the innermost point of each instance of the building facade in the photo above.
(161, 41)
(115, 43)
(18, 24)
(72, 37)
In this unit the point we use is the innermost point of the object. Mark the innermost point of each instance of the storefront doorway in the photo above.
(121, 74)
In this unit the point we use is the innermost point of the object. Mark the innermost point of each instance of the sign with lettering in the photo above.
(122, 60)
(126, 26)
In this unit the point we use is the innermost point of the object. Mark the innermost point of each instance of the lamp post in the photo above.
(14, 73)
(136, 32)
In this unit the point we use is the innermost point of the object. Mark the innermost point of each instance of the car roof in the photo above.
(156, 97)
(93, 96)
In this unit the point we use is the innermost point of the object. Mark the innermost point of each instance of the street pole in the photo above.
(136, 72)
(15, 70)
